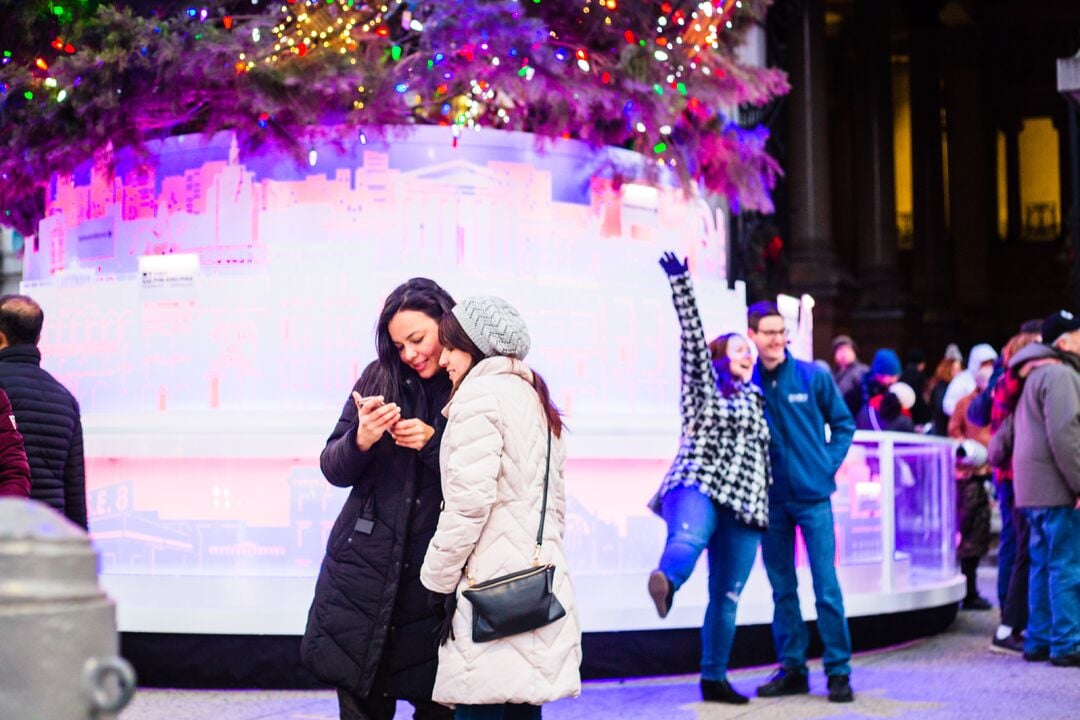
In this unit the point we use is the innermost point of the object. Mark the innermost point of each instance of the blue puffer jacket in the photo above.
(800, 400)
(49, 420)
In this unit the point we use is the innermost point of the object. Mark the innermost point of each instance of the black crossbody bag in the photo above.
(521, 601)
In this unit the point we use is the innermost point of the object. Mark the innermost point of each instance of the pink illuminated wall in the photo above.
(211, 312)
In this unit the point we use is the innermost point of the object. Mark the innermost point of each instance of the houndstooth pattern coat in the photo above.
(724, 451)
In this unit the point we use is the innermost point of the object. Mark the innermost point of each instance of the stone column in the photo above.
(971, 187)
(874, 178)
(814, 266)
(933, 247)
(1012, 178)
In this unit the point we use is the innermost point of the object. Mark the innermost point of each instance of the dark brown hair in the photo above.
(758, 311)
(726, 382)
(385, 375)
(943, 373)
(453, 337)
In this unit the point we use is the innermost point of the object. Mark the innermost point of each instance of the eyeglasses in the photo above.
(772, 333)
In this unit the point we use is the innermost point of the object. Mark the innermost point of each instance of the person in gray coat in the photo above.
(849, 372)
(1046, 479)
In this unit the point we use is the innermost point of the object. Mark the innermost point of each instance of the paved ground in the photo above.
(951, 676)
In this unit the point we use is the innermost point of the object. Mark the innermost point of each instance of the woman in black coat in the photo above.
(371, 630)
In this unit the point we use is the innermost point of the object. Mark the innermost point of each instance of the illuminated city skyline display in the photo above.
(212, 311)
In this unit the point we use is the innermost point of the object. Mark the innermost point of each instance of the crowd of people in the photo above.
(434, 590)
(451, 445)
(1016, 417)
(762, 441)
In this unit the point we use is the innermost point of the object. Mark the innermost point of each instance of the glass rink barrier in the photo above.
(896, 534)
(895, 510)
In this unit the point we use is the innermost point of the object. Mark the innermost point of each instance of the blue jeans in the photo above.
(1007, 542)
(815, 519)
(1054, 584)
(694, 523)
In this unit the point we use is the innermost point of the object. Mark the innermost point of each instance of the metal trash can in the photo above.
(58, 640)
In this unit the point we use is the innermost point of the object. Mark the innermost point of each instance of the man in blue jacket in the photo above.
(800, 401)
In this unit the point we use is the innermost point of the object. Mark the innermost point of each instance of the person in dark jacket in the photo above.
(881, 409)
(372, 628)
(1046, 478)
(980, 409)
(14, 469)
(1013, 559)
(47, 413)
(800, 402)
(914, 375)
(946, 370)
(849, 371)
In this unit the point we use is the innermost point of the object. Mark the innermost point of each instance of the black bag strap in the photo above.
(543, 515)
(543, 504)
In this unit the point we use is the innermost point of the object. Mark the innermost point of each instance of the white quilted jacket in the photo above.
(492, 459)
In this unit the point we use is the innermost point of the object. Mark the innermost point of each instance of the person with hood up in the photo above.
(980, 360)
(1044, 432)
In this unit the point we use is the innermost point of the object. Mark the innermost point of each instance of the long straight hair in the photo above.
(453, 337)
(385, 375)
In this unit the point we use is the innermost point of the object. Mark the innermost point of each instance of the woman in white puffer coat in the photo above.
(493, 459)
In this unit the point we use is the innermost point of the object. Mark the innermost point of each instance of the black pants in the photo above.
(973, 505)
(382, 708)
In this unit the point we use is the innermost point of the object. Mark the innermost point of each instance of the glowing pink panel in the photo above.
(211, 311)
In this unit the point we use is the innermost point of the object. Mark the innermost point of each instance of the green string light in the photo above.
(395, 52)
(659, 147)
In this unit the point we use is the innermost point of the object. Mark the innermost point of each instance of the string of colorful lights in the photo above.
(661, 78)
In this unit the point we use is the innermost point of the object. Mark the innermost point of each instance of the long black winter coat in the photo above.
(49, 421)
(371, 629)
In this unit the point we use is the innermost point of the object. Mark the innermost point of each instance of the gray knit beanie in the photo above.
(493, 325)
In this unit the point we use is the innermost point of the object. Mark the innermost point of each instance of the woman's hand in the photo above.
(375, 418)
(672, 266)
(413, 433)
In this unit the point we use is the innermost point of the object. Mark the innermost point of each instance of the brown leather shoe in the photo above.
(661, 591)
